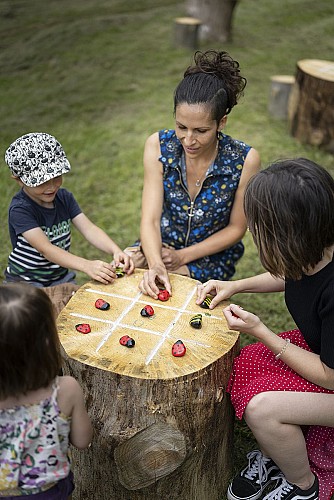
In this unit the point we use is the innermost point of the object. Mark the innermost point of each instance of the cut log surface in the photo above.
(311, 104)
(163, 424)
(154, 336)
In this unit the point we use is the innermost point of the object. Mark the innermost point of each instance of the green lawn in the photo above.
(100, 75)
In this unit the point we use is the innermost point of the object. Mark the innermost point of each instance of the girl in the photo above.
(194, 180)
(40, 413)
(284, 384)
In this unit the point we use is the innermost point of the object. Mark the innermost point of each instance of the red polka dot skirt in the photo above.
(257, 370)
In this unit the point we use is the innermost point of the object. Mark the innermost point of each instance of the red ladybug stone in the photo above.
(127, 341)
(178, 349)
(163, 295)
(102, 304)
(147, 311)
(83, 328)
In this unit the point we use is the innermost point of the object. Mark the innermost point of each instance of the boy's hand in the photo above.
(123, 258)
(100, 271)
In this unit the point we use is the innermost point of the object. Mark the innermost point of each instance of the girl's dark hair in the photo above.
(214, 80)
(29, 343)
(290, 211)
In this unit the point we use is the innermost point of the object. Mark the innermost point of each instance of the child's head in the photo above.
(29, 343)
(36, 158)
(290, 211)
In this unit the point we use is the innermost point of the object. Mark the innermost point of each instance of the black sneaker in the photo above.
(250, 482)
(288, 491)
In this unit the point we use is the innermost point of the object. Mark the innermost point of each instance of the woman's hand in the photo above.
(243, 321)
(221, 290)
(171, 258)
(148, 284)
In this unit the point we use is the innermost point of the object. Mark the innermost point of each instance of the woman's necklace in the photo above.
(198, 181)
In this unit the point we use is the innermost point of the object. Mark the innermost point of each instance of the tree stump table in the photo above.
(163, 425)
(311, 104)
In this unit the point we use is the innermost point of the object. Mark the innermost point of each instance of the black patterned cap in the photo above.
(36, 158)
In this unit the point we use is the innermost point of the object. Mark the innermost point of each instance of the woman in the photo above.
(284, 384)
(194, 180)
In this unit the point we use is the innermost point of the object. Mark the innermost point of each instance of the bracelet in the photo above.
(287, 342)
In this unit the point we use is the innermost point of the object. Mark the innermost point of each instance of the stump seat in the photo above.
(158, 420)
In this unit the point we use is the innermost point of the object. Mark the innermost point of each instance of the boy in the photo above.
(40, 217)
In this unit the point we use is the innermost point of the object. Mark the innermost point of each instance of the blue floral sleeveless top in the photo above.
(185, 222)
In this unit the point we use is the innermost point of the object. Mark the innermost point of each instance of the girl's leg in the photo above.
(275, 419)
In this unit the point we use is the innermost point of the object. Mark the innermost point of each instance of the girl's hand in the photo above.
(123, 258)
(221, 290)
(242, 321)
(100, 271)
(148, 284)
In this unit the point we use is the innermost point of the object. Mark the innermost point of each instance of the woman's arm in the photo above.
(226, 237)
(307, 364)
(223, 290)
(150, 234)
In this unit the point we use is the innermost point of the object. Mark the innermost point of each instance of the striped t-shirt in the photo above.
(25, 263)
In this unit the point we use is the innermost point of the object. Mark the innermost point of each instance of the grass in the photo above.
(100, 75)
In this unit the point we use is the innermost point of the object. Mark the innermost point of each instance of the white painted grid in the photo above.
(136, 300)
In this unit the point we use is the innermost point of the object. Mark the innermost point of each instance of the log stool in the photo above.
(186, 32)
(311, 105)
(280, 89)
(163, 425)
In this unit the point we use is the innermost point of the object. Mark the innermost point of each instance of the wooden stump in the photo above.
(163, 425)
(279, 95)
(186, 32)
(311, 106)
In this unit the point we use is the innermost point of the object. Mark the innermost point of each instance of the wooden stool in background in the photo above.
(163, 425)
(311, 105)
(186, 32)
(279, 95)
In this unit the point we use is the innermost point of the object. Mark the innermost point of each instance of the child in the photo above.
(40, 413)
(40, 217)
(283, 385)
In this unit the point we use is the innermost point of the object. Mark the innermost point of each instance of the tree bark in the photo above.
(311, 105)
(163, 425)
(216, 17)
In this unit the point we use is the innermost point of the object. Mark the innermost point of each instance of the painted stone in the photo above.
(179, 349)
(147, 311)
(196, 321)
(163, 295)
(206, 302)
(119, 272)
(127, 341)
(83, 328)
(102, 304)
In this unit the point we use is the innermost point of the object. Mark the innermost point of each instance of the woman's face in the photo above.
(196, 129)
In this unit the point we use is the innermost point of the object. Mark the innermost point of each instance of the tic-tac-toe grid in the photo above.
(154, 336)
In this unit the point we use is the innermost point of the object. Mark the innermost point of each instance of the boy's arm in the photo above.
(100, 240)
(96, 269)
